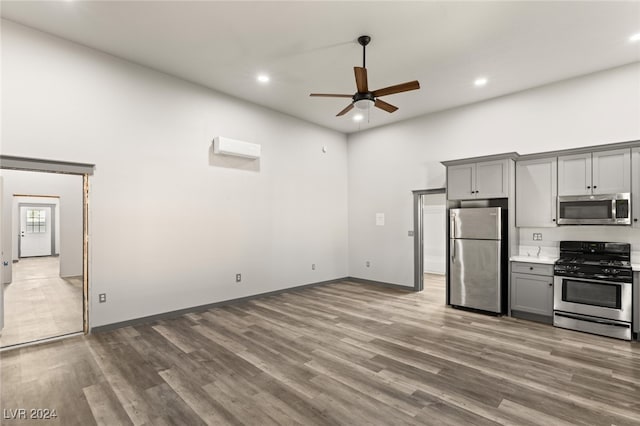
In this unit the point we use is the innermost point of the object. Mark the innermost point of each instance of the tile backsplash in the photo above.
(545, 251)
(551, 237)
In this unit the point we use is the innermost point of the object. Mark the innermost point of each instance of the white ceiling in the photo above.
(311, 46)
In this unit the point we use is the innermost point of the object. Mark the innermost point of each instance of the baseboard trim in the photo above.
(380, 283)
(200, 308)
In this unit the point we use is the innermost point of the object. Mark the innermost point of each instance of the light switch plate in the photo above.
(537, 236)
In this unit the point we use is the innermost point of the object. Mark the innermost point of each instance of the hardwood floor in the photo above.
(343, 353)
(39, 304)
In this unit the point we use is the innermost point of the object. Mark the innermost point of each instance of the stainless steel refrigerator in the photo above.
(477, 265)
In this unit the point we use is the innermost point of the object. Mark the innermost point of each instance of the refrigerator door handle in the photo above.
(453, 250)
(453, 226)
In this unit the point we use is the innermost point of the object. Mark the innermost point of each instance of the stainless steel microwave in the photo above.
(605, 209)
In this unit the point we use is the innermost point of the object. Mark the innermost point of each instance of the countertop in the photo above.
(541, 259)
(635, 267)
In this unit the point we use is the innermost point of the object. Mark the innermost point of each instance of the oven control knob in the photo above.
(615, 271)
(607, 271)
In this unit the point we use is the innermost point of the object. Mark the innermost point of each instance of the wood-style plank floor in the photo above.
(340, 354)
(39, 303)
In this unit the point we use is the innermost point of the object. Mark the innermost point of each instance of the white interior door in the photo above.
(35, 231)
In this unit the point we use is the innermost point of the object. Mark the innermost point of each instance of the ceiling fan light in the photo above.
(363, 103)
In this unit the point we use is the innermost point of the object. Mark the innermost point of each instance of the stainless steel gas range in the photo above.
(592, 288)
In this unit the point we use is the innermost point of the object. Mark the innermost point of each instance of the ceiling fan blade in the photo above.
(404, 87)
(331, 95)
(385, 106)
(344, 111)
(361, 79)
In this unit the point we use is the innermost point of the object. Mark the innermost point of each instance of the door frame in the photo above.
(418, 237)
(65, 167)
(53, 225)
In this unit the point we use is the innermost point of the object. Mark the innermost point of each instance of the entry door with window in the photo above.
(35, 231)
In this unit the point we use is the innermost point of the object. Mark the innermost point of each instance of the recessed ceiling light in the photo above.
(358, 117)
(263, 78)
(635, 37)
(480, 81)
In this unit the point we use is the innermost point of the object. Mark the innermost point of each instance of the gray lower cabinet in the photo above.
(532, 291)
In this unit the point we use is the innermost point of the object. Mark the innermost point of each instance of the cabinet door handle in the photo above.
(550, 284)
(554, 219)
(635, 220)
(588, 187)
(595, 186)
(531, 268)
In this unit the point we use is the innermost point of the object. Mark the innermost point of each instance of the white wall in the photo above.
(169, 230)
(69, 215)
(386, 164)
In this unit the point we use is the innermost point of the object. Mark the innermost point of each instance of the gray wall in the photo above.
(386, 164)
(69, 189)
(170, 225)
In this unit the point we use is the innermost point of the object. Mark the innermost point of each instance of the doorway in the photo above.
(44, 239)
(430, 238)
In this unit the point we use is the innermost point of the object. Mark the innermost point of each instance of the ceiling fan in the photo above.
(363, 98)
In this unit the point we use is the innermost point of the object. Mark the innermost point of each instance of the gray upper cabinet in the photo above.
(601, 172)
(492, 179)
(461, 182)
(635, 187)
(487, 179)
(536, 190)
(612, 171)
(574, 174)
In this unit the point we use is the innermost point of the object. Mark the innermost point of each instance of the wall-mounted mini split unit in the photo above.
(228, 146)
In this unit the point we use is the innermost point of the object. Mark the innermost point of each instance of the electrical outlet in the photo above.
(368, 263)
(238, 278)
(537, 236)
(102, 297)
(410, 233)
(313, 266)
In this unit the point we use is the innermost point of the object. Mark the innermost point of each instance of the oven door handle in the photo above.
(593, 281)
